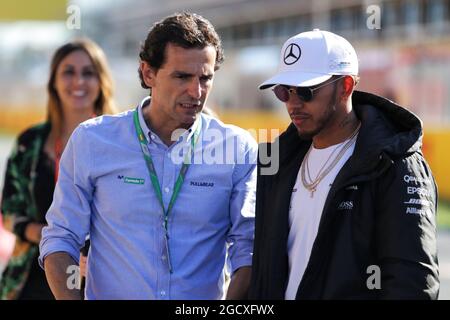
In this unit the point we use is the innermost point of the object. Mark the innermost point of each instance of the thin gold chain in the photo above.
(311, 185)
(324, 164)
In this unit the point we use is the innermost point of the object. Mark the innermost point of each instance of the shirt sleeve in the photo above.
(68, 217)
(406, 231)
(242, 210)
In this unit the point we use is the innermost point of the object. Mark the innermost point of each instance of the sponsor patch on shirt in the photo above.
(131, 180)
(416, 211)
(415, 180)
(346, 205)
(202, 184)
(421, 202)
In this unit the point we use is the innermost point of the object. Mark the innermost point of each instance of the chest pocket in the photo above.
(126, 194)
(207, 188)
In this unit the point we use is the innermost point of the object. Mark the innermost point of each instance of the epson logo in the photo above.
(419, 191)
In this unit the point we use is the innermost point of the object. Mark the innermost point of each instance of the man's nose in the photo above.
(195, 89)
(295, 102)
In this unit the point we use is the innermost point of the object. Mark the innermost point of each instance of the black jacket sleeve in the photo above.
(406, 231)
(255, 290)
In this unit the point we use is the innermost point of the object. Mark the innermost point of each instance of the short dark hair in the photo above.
(187, 30)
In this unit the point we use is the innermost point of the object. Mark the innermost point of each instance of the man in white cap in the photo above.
(350, 214)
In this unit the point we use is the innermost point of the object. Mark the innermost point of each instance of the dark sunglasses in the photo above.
(306, 94)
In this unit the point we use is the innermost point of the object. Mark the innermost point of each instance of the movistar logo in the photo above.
(131, 180)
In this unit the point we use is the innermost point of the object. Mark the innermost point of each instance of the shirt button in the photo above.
(163, 293)
(166, 190)
(163, 257)
(152, 136)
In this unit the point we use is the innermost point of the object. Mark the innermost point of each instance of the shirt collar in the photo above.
(148, 132)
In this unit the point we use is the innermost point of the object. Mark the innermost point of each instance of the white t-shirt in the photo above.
(305, 212)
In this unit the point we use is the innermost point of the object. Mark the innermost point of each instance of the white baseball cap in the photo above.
(312, 57)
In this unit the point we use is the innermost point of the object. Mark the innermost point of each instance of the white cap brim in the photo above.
(295, 79)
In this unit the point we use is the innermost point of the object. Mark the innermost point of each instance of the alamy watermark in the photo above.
(373, 21)
(74, 279)
(374, 280)
(215, 146)
(73, 21)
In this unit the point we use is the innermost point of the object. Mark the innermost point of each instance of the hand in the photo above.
(83, 260)
(33, 232)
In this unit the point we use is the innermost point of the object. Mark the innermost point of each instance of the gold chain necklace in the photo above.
(311, 185)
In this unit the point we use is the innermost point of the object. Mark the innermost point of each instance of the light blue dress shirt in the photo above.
(104, 190)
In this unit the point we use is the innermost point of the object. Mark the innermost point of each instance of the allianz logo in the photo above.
(416, 211)
(346, 205)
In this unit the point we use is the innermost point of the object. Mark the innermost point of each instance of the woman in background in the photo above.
(79, 88)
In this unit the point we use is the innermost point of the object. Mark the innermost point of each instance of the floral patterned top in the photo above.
(19, 206)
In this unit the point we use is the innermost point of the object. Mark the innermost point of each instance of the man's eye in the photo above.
(206, 78)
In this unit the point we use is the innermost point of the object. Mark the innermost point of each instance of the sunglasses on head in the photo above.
(306, 94)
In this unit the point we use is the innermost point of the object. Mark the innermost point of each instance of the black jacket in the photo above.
(380, 211)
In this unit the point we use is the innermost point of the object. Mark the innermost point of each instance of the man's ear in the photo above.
(349, 85)
(148, 74)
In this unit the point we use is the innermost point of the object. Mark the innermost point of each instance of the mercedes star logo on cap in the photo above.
(292, 54)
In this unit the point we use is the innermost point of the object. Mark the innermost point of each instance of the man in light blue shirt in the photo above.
(166, 193)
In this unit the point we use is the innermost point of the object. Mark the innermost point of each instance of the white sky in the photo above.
(40, 35)
(14, 36)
